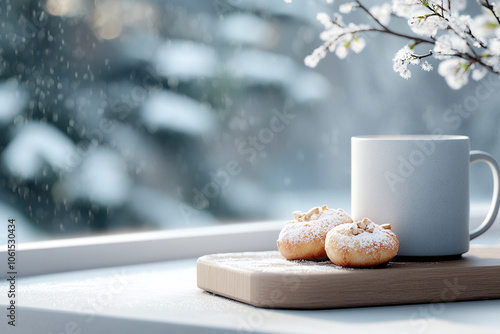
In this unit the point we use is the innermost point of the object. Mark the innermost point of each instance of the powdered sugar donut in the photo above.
(361, 244)
(304, 237)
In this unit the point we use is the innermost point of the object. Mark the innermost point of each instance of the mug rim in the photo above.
(408, 137)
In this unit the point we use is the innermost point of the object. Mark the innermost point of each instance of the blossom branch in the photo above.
(468, 32)
(491, 8)
(422, 56)
(386, 30)
(360, 5)
(417, 40)
(458, 42)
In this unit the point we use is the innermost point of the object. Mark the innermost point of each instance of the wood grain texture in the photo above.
(266, 279)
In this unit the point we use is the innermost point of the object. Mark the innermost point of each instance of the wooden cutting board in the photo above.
(266, 279)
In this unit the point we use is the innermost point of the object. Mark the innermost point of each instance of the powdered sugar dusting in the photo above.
(270, 262)
(369, 242)
(305, 231)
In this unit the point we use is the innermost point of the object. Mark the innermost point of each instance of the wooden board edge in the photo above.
(223, 281)
(448, 283)
(448, 287)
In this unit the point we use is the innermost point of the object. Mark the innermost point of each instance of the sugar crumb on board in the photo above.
(272, 262)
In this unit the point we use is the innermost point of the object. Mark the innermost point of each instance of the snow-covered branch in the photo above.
(462, 45)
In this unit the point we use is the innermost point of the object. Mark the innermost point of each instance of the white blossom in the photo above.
(382, 13)
(425, 22)
(313, 59)
(338, 19)
(340, 39)
(358, 44)
(494, 46)
(324, 19)
(406, 55)
(426, 66)
(403, 8)
(330, 36)
(402, 59)
(483, 26)
(405, 74)
(346, 8)
(493, 62)
(478, 73)
(342, 51)
(460, 24)
(449, 44)
(458, 5)
(455, 72)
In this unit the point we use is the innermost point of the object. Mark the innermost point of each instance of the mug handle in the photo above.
(492, 214)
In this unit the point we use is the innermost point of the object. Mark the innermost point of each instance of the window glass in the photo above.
(135, 115)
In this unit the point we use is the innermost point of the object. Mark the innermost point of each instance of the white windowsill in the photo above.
(45, 257)
(146, 282)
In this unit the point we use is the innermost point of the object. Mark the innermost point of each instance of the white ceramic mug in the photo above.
(420, 185)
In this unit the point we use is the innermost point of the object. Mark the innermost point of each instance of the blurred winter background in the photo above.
(130, 115)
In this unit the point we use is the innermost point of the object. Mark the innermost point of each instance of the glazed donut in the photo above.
(361, 244)
(304, 237)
